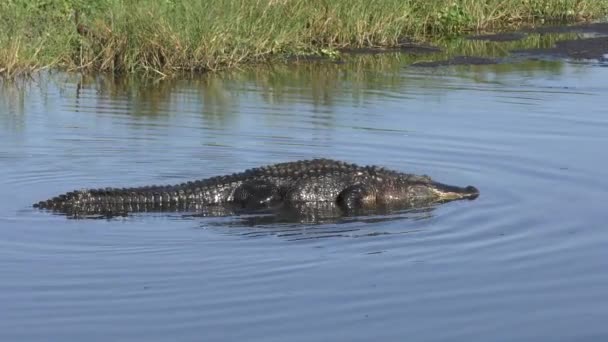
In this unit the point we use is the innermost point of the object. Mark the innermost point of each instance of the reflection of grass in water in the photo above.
(166, 37)
(217, 97)
(12, 105)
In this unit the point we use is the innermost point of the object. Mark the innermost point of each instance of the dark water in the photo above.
(526, 261)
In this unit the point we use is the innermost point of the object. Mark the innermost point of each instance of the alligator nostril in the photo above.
(472, 189)
(472, 192)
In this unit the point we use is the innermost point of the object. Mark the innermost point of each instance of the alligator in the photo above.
(349, 187)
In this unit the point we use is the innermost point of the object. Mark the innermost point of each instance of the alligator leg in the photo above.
(256, 194)
(355, 197)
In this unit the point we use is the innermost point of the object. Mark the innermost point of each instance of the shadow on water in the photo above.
(320, 221)
(304, 221)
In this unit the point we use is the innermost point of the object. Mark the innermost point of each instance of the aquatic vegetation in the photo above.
(169, 36)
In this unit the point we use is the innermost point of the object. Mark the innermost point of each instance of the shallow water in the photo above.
(526, 261)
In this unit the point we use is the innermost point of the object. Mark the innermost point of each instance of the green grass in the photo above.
(172, 36)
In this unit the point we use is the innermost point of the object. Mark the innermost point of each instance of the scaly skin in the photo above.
(309, 181)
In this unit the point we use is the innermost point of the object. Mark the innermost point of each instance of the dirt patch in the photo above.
(499, 37)
(458, 60)
(591, 48)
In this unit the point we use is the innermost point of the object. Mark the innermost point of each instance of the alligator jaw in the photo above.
(450, 193)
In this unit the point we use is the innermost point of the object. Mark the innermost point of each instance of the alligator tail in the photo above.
(116, 196)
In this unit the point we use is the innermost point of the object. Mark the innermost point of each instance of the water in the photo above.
(526, 261)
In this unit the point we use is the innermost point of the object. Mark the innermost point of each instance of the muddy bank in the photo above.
(408, 47)
(598, 28)
(590, 43)
(590, 48)
(580, 48)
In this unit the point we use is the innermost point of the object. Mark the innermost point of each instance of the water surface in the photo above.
(526, 261)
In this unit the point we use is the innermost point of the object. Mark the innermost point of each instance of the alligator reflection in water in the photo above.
(318, 221)
(310, 189)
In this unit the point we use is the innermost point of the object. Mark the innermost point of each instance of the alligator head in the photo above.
(438, 192)
(401, 190)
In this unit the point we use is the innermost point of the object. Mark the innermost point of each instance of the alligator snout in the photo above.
(451, 192)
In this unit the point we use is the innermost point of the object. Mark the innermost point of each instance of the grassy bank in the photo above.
(169, 36)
